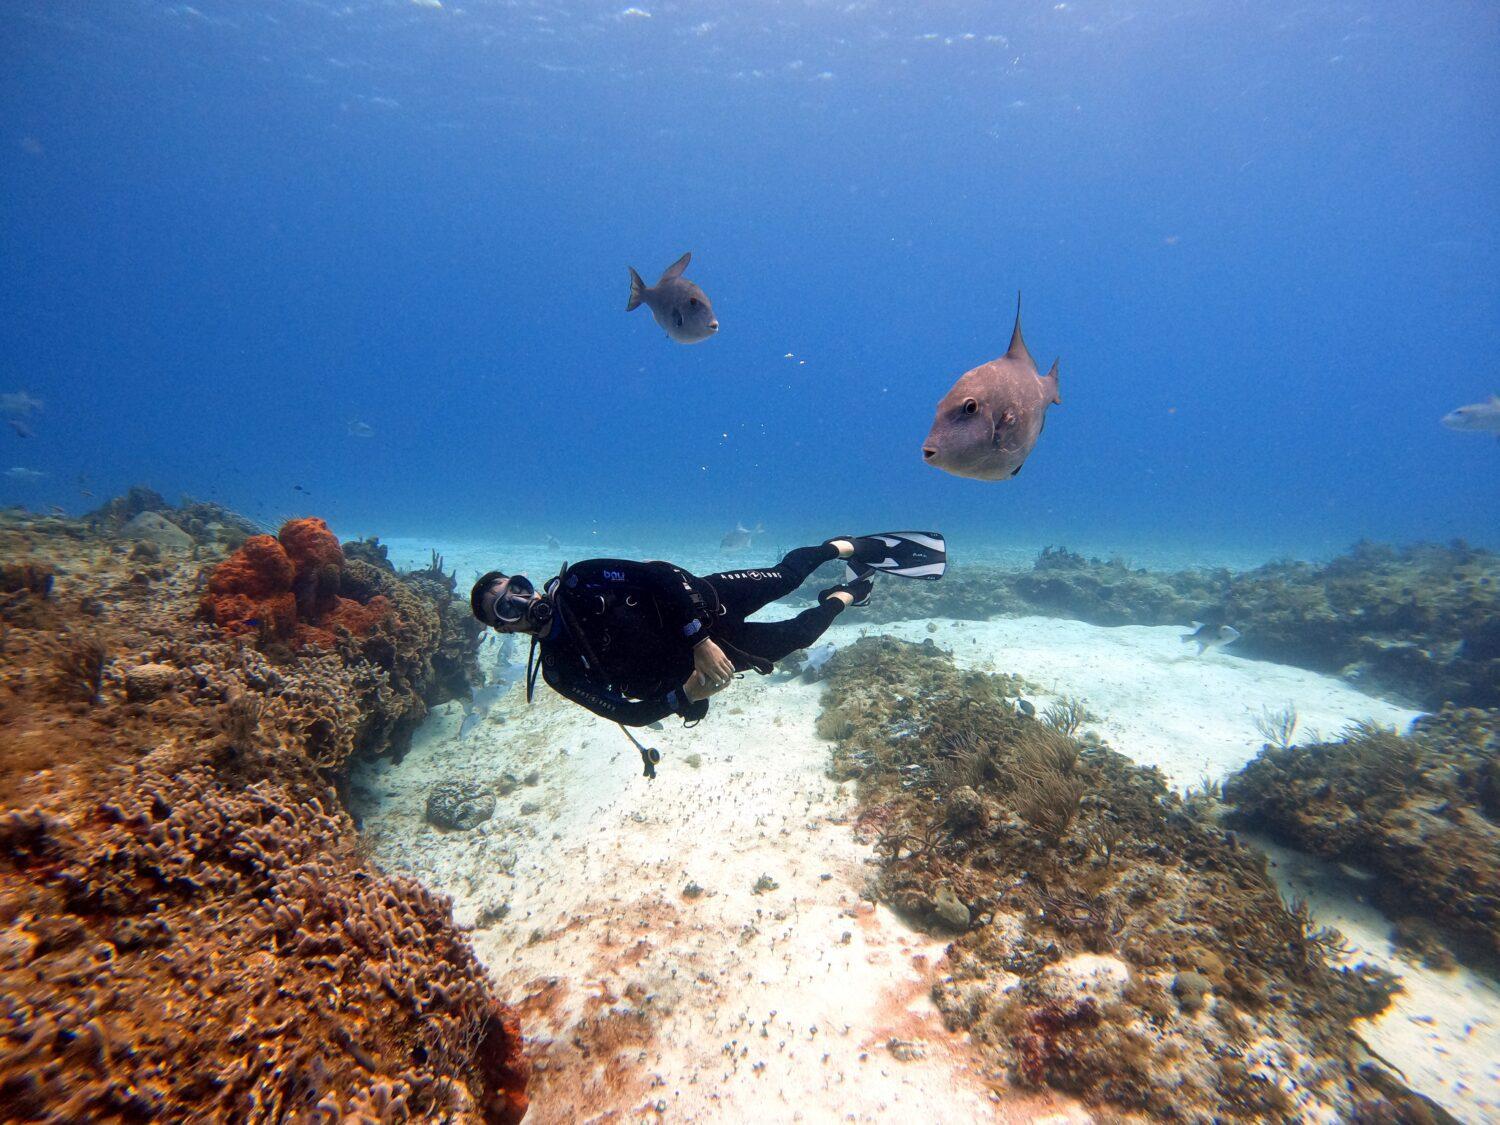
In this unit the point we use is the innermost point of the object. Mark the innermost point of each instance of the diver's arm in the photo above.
(616, 708)
(670, 585)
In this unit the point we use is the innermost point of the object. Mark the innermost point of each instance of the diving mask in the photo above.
(510, 601)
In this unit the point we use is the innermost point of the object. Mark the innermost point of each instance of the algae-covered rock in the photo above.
(148, 681)
(459, 805)
(152, 527)
(948, 910)
(1417, 810)
(1192, 990)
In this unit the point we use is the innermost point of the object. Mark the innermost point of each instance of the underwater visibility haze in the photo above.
(1261, 238)
(1167, 790)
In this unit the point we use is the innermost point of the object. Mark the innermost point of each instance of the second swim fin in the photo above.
(909, 554)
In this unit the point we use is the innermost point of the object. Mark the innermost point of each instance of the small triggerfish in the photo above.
(739, 538)
(988, 423)
(680, 307)
(1211, 636)
(1478, 417)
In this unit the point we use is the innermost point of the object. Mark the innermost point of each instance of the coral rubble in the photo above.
(1421, 811)
(1113, 941)
(189, 929)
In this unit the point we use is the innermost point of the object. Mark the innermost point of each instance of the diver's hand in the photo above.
(711, 663)
(698, 688)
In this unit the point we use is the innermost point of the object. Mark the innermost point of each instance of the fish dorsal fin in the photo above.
(1017, 348)
(1052, 377)
(674, 271)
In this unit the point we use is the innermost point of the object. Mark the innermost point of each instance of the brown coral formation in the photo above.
(1114, 942)
(188, 928)
(1420, 811)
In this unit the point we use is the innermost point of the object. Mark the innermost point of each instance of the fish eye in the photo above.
(693, 301)
(970, 406)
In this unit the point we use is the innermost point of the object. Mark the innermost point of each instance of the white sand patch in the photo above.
(801, 1003)
(1158, 703)
(1443, 1030)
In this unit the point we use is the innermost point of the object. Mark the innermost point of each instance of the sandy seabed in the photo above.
(805, 1001)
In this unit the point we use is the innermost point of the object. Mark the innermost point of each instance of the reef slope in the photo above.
(189, 929)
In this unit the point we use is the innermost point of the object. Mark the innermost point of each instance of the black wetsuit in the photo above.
(622, 633)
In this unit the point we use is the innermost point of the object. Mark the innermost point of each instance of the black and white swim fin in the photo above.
(909, 554)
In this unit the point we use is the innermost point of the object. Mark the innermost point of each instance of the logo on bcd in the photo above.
(615, 575)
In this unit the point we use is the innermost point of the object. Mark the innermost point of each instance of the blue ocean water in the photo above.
(1264, 239)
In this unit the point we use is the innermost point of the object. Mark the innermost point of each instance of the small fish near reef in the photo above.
(680, 307)
(987, 425)
(1211, 636)
(739, 538)
(1478, 417)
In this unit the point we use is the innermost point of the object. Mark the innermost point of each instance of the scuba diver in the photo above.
(635, 642)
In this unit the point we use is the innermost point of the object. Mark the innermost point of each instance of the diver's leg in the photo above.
(742, 592)
(776, 640)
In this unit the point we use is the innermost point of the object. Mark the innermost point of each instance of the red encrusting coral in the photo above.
(287, 587)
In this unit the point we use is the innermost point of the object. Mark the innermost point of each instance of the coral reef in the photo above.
(203, 522)
(189, 929)
(460, 805)
(1421, 623)
(1114, 941)
(1422, 812)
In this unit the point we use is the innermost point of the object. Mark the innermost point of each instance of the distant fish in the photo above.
(739, 538)
(987, 425)
(551, 543)
(299, 488)
(1479, 417)
(1211, 636)
(361, 429)
(20, 427)
(19, 404)
(471, 722)
(1027, 708)
(19, 473)
(680, 307)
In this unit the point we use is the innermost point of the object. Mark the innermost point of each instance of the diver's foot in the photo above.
(845, 547)
(856, 593)
(910, 554)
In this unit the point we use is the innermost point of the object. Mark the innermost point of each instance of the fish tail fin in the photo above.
(637, 290)
(1186, 637)
(1049, 382)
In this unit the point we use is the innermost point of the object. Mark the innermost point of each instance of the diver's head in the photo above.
(509, 603)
